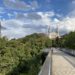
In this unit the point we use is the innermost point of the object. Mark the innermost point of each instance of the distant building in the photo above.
(53, 35)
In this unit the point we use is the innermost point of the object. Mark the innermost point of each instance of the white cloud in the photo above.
(9, 15)
(14, 33)
(48, 14)
(69, 23)
(25, 24)
(72, 13)
(66, 25)
(20, 5)
(46, 17)
(12, 23)
(28, 23)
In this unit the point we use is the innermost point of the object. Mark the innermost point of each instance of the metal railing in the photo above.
(47, 66)
(68, 51)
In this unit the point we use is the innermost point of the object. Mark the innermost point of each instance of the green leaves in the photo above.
(20, 56)
(68, 40)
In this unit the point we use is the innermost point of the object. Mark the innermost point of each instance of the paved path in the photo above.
(60, 66)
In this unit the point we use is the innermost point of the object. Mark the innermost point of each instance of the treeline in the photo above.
(22, 56)
(66, 41)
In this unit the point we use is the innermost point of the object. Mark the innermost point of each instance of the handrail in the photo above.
(68, 51)
(47, 66)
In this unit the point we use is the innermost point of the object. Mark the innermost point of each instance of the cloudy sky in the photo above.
(23, 17)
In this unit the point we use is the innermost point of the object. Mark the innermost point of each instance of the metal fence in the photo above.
(69, 51)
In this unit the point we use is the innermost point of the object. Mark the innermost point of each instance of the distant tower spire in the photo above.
(48, 30)
(57, 30)
(0, 28)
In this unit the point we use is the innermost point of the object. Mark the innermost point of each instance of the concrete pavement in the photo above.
(60, 66)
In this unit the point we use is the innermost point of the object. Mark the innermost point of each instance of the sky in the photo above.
(23, 17)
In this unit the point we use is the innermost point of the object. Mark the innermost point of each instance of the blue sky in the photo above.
(31, 16)
(61, 7)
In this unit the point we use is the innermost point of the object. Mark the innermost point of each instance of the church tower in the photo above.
(53, 34)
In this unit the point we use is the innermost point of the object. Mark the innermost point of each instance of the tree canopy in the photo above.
(22, 56)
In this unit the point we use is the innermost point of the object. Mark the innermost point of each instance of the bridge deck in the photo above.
(60, 66)
(58, 63)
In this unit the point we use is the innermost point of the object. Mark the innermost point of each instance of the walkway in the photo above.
(60, 66)
(58, 63)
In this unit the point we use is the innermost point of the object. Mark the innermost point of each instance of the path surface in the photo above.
(60, 66)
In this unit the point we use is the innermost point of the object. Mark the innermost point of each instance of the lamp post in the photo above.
(48, 31)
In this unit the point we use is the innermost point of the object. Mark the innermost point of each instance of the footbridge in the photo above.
(58, 62)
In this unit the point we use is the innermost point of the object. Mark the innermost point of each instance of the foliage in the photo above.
(68, 41)
(22, 56)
